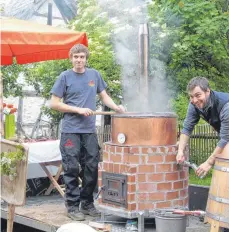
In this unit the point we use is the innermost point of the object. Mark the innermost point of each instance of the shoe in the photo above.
(88, 208)
(76, 215)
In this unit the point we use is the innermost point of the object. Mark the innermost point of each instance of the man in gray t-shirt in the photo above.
(78, 88)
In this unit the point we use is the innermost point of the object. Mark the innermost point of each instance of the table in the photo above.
(45, 155)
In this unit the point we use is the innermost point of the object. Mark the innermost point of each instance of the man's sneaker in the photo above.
(88, 208)
(76, 215)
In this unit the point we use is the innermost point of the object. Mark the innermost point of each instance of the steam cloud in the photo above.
(127, 17)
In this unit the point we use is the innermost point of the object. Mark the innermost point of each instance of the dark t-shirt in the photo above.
(79, 89)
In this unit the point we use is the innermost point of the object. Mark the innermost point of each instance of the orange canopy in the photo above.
(32, 42)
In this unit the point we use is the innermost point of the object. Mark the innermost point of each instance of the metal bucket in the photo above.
(166, 221)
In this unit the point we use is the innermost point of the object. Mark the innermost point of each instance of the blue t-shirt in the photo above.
(79, 89)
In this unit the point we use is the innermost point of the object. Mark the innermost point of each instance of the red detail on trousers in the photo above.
(68, 143)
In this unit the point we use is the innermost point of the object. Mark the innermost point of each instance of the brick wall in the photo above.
(153, 178)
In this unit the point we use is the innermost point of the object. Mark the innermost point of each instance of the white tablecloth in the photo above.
(39, 152)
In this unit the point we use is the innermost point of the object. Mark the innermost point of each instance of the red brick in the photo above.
(162, 149)
(119, 149)
(131, 197)
(155, 159)
(178, 185)
(106, 156)
(112, 149)
(123, 168)
(116, 168)
(163, 168)
(106, 167)
(100, 182)
(143, 196)
(183, 193)
(172, 195)
(126, 150)
(183, 174)
(131, 179)
(115, 158)
(145, 206)
(111, 167)
(135, 150)
(155, 177)
(156, 196)
(141, 178)
(165, 204)
(146, 168)
(143, 159)
(134, 159)
(145, 150)
(186, 201)
(185, 183)
(146, 187)
(171, 176)
(100, 174)
(164, 186)
(131, 188)
(125, 158)
(177, 203)
(132, 170)
(175, 167)
(170, 158)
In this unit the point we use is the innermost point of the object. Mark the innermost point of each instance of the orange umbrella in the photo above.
(32, 42)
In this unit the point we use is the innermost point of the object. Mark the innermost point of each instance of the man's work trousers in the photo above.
(79, 150)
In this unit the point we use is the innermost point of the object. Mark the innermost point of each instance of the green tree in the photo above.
(10, 76)
(196, 42)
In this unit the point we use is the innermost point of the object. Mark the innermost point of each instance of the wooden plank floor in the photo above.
(46, 213)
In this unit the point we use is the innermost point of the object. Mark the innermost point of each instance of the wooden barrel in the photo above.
(218, 198)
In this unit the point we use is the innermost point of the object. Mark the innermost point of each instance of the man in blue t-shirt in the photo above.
(74, 94)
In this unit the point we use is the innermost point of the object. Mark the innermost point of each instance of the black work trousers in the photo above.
(79, 150)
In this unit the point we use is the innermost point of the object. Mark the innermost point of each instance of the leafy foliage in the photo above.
(10, 76)
(195, 42)
(9, 161)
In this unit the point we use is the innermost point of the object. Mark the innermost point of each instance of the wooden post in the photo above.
(10, 217)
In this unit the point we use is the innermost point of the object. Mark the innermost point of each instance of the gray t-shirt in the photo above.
(79, 89)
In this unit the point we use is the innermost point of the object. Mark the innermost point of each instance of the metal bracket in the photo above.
(219, 199)
(217, 218)
(219, 168)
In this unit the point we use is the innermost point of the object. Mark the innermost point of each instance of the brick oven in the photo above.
(139, 173)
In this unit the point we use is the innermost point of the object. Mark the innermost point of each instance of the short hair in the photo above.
(202, 82)
(77, 49)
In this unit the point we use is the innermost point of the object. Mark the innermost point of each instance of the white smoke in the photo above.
(126, 17)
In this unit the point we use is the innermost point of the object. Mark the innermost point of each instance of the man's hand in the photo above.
(203, 169)
(180, 157)
(120, 109)
(85, 111)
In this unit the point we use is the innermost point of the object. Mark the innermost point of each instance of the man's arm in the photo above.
(56, 104)
(224, 139)
(106, 99)
(182, 144)
(190, 121)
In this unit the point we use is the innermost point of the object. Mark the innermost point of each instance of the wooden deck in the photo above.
(46, 213)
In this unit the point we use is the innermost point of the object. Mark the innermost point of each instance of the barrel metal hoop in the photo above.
(219, 199)
(219, 168)
(217, 218)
